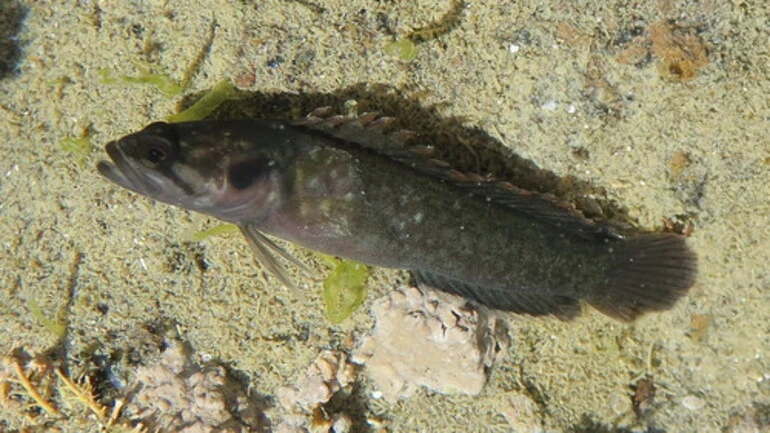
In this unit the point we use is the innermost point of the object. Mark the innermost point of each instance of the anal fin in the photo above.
(524, 302)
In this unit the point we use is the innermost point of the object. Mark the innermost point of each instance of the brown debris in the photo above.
(643, 396)
(699, 324)
(598, 89)
(681, 224)
(635, 52)
(682, 52)
(679, 161)
(36, 386)
(566, 32)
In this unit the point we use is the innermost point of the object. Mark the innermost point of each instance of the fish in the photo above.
(356, 188)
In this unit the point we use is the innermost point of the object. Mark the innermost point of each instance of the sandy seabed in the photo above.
(663, 105)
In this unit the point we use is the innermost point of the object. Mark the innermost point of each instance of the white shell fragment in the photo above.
(435, 340)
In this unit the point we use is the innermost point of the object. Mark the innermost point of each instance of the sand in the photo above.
(662, 105)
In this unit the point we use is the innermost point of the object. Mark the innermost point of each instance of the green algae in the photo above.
(221, 92)
(406, 48)
(403, 49)
(57, 329)
(220, 230)
(344, 290)
(77, 148)
(147, 74)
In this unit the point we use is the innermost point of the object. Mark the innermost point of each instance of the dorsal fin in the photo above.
(376, 133)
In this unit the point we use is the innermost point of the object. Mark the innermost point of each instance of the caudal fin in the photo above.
(650, 273)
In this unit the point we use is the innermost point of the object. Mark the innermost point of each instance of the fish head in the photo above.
(200, 166)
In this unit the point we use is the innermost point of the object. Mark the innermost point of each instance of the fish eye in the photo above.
(156, 150)
(156, 144)
(156, 155)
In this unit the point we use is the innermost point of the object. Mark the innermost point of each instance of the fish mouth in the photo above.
(122, 173)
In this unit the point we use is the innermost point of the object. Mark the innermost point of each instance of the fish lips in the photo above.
(121, 172)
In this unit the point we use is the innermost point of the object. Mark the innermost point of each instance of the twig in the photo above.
(32, 391)
(97, 408)
(115, 411)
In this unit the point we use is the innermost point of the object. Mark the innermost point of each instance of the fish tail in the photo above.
(650, 272)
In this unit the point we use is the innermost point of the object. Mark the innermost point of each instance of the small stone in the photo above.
(329, 373)
(692, 402)
(341, 423)
(433, 340)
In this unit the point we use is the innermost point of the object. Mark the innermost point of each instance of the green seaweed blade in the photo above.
(344, 290)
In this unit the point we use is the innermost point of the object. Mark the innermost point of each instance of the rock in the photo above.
(291, 424)
(329, 373)
(174, 394)
(434, 340)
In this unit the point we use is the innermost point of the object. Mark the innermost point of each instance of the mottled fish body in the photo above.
(343, 187)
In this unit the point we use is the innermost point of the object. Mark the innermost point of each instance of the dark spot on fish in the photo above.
(244, 173)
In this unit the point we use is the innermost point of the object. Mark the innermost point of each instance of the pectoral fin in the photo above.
(264, 250)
